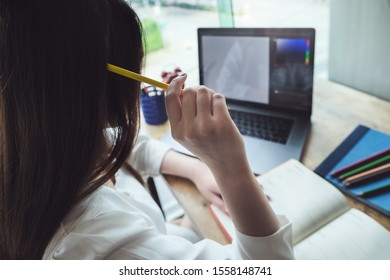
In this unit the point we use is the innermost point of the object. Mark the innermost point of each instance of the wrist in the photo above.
(236, 167)
(234, 174)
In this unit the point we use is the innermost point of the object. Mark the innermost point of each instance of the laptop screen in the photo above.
(259, 66)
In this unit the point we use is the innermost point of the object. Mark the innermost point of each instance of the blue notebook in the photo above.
(361, 143)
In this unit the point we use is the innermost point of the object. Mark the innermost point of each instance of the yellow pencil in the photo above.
(138, 77)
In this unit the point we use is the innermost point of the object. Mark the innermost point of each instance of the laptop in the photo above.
(266, 75)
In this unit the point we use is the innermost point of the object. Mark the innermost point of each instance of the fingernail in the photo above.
(181, 76)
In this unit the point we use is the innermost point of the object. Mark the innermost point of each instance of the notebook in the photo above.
(324, 225)
(266, 75)
(362, 143)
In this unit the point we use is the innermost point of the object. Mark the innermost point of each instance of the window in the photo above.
(172, 25)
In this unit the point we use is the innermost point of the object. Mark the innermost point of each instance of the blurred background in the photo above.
(352, 36)
(171, 25)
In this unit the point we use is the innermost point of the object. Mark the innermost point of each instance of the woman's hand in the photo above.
(207, 185)
(178, 164)
(200, 121)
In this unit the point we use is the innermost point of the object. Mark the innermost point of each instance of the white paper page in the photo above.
(305, 198)
(353, 235)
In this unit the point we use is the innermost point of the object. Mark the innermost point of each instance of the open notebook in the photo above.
(324, 225)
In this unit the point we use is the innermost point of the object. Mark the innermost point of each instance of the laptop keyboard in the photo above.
(269, 128)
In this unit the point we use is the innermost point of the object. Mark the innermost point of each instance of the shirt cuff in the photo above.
(160, 149)
(272, 247)
(147, 156)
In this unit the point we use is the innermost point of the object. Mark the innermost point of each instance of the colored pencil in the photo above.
(375, 178)
(138, 77)
(365, 167)
(359, 163)
(376, 191)
(369, 175)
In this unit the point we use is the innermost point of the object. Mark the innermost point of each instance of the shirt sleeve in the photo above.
(126, 232)
(166, 247)
(147, 155)
(277, 246)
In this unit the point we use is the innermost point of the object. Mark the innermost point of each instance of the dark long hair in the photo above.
(56, 99)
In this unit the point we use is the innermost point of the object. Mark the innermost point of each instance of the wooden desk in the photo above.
(337, 110)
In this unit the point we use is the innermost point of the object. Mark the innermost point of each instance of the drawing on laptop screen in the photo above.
(244, 69)
(260, 69)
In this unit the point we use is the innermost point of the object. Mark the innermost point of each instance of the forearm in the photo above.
(177, 164)
(248, 205)
(195, 170)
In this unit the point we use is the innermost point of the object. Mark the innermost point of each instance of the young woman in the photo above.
(71, 163)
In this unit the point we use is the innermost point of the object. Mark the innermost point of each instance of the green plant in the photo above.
(152, 35)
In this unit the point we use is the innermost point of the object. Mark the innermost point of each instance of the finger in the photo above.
(172, 102)
(189, 103)
(204, 101)
(269, 198)
(217, 200)
(219, 105)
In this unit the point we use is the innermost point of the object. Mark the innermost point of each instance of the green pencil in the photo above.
(364, 167)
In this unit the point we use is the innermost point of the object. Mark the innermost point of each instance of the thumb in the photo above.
(177, 84)
(172, 102)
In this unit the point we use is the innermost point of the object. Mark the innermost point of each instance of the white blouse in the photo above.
(125, 223)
